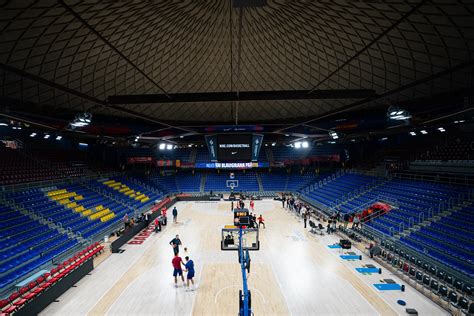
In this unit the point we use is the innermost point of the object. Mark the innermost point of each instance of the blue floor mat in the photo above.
(388, 287)
(367, 270)
(334, 246)
(350, 257)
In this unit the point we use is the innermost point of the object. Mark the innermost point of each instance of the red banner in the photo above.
(158, 206)
(134, 160)
(164, 163)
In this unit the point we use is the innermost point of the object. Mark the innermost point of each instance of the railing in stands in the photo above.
(41, 184)
(379, 237)
(466, 179)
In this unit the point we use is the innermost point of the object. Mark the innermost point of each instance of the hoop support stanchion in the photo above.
(244, 298)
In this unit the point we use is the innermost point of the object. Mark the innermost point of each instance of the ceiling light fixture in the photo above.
(81, 120)
(397, 114)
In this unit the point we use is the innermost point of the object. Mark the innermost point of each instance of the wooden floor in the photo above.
(293, 273)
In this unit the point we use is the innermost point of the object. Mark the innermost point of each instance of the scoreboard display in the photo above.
(234, 147)
(241, 213)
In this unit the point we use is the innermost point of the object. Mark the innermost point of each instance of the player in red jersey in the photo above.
(178, 270)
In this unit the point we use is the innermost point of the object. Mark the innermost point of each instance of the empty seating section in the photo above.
(282, 181)
(331, 194)
(449, 240)
(451, 290)
(164, 183)
(129, 192)
(454, 150)
(70, 163)
(46, 280)
(274, 181)
(26, 244)
(297, 181)
(217, 182)
(187, 182)
(416, 201)
(202, 155)
(76, 202)
(73, 207)
(16, 168)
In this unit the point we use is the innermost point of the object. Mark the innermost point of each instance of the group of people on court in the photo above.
(255, 222)
(178, 265)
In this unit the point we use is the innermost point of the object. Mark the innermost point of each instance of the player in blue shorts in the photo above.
(189, 267)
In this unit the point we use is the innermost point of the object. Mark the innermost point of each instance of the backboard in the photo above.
(232, 184)
(230, 239)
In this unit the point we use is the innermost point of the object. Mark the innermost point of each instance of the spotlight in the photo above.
(81, 120)
(441, 129)
(83, 144)
(333, 135)
(32, 134)
(287, 135)
(181, 136)
(397, 114)
(424, 132)
(59, 137)
(162, 146)
(274, 144)
(46, 136)
(305, 144)
(298, 145)
(383, 138)
(190, 145)
(169, 146)
(3, 124)
(412, 133)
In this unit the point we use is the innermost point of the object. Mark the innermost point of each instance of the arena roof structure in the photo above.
(184, 63)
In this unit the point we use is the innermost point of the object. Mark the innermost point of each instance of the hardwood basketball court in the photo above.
(293, 273)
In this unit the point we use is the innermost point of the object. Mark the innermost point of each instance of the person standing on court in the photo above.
(261, 221)
(175, 243)
(189, 266)
(177, 269)
(252, 204)
(157, 225)
(163, 213)
(175, 215)
(283, 199)
(305, 217)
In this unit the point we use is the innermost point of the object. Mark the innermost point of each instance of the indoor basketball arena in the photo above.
(236, 157)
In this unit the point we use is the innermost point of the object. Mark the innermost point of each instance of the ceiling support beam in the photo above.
(242, 96)
(465, 65)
